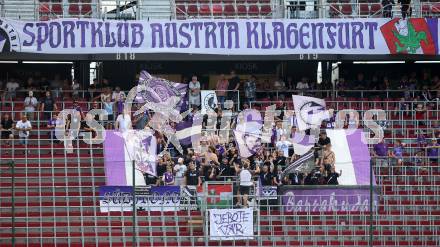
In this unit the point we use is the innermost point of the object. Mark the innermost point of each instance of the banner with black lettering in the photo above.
(231, 224)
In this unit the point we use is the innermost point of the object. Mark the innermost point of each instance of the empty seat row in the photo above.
(365, 9)
(70, 1)
(227, 10)
(57, 9)
(431, 8)
(223, 1)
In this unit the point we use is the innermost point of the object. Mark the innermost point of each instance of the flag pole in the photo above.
(134, 204)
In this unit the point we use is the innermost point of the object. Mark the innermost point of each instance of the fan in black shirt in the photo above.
(266, 177)
(192, 176)
(322, 142)
(48, 105)
(280, 160)
(296, 178)
(5, 128)
(323, 139)
(234, 85)
(332, 178)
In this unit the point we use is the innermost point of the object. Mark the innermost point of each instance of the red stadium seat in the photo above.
(180, 10)
(229, 10)
(334, 10)
(86, 9)
(241, 10)
(346, 9)
(375, 9)
(192, 10)
(266, 10)
(426, 8)
(217, 9)
(435, 8)
(253, 10)
(57, 9)
(74, 9)
(364, 9)
(44, 8)
(204, 10)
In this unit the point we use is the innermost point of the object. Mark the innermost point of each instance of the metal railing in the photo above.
(261, 94)
(51, 197)
(406, 214)
(213, 9)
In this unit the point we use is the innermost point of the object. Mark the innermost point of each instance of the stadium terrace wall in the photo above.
(323, 39)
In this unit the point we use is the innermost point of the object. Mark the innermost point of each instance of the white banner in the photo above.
(309, 111)
(209, 101)
(231, 224)
(223, 37)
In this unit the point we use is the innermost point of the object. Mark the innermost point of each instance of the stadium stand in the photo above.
(56, 193)
(52, 191)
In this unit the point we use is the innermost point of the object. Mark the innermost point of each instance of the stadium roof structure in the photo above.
(209, 57)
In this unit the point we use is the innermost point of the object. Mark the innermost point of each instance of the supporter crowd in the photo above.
(221, 161)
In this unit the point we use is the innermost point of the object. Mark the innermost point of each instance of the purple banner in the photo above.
(332, 199)
(360, 157)
(114, 157)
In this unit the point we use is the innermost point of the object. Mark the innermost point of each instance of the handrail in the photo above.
(98, 91)
(99, 9)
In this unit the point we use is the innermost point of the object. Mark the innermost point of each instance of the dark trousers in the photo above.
(387, 12)
(406, 10)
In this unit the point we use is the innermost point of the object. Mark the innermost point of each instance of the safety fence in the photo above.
(52, 203)
(62, 93)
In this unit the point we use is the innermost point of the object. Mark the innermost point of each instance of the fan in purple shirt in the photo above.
(168, 176)
(432, 150)
(380, 149)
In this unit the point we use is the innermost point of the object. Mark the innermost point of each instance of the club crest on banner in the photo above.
(411, 36)
(156, 90)
(160, 95)
(9, 40)
(309, 111)
(209, 101)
